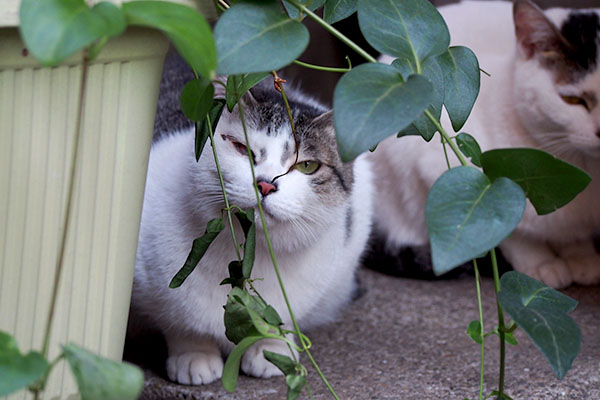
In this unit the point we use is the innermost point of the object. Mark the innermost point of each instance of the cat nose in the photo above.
(266, 187)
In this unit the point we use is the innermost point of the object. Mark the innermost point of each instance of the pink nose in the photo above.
(266, 187)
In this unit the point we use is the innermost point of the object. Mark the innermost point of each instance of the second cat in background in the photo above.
(544, 93)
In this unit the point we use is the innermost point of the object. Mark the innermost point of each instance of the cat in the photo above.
(319, 222)
(543, 93)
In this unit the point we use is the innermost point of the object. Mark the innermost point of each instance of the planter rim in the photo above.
(9, 9)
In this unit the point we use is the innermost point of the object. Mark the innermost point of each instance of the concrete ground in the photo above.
(405, 339)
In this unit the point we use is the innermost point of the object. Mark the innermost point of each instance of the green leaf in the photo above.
(284, 363)
(197, 99)
(295, 384)
(238, 321)
(294, 380)
(461, 83)
(542, 313)
(372, 102)
(237, 85)
(246, 220)
(184, 26)
(113, 17)
(99, 378)
(18, 371)
(337, 10)
(257, 37)
(236, 279)
(199, 247)
(411, 29)
(203, 129)
(293, 11)
(271, 316)
(474, 331)
(497, 393)
(431, 70)
(55, 29)
(469, 147)
(231, 370)
(548, 182)
(467, 215)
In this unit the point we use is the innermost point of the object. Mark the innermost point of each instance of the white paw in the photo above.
(195, 368)
(254, 362)
(585, 271)
(553, 273)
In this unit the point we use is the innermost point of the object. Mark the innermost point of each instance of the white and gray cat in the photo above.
(543, 92)
(318, 216)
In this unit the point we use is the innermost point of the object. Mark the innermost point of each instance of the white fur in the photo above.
(316, 257)
(518, 106)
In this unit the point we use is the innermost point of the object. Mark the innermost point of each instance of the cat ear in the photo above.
(326, 117)
(536, 34)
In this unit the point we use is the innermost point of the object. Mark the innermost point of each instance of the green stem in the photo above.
(445, 152)
(274, 260)
(501, 329)
(69, 208)
(446, 137)
(321, 68)
(222, 182)
(481, 331)
(333, 31)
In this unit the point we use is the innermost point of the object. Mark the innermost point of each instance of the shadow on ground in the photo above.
(405, 339)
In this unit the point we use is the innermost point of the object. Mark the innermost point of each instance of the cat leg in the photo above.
(536, 259)
(193, 360)
(254, 362)
(583, 261)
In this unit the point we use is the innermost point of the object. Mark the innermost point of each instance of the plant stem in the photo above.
(321, 68)
(222, 182)
(274, 260)
(446, 137)
(333, 31)
(482, 330)
(501, 329)
(68, 214)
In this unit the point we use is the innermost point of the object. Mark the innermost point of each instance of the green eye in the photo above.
(307, 167)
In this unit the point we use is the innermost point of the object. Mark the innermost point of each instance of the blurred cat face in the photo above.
(557, 79)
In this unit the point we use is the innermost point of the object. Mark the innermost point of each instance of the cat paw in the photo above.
(255, 364)
(554, 273)
(195, 368)
(585, 271)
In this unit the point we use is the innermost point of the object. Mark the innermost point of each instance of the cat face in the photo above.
(300, 191)
(557, 79)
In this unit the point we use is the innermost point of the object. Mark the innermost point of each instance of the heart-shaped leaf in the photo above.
(311, 5)
(197, 99)
(184, 26)
(54, 29)
(99, 378)
(467, 215)
(542, 313)
(548, 182)
(203, 129)
(474, 331)
(461, 83)
(257, 37)
(372, 102)
(18, 371)
(199, 247)
(469, 147)
(237, 85)
(337, 10)
(432, 71)
(411, 29)
(231, 370)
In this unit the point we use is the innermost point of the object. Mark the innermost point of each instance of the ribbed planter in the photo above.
(38, 109)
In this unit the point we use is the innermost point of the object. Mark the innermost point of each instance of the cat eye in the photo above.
(576, 101)
(242, 149)
(307, 167)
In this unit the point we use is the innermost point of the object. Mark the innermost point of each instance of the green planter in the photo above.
(38, 109)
